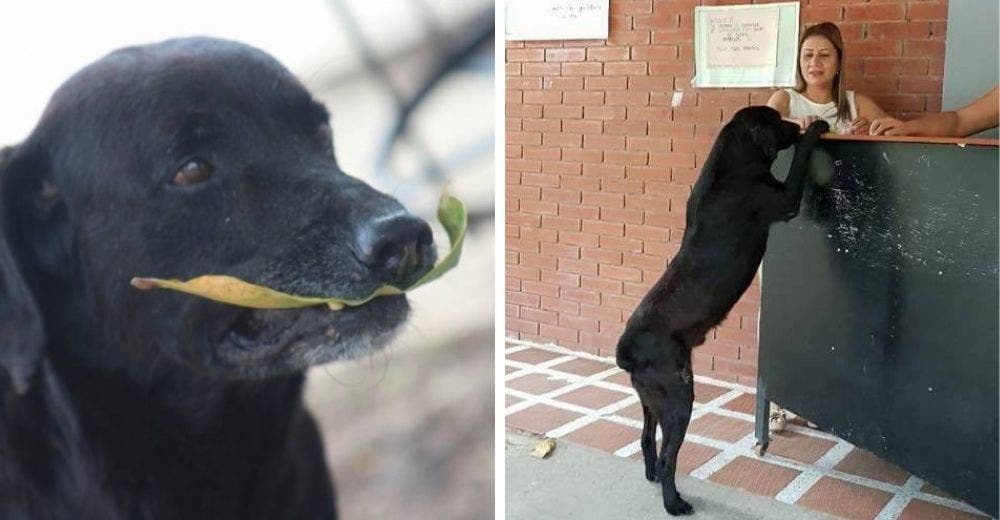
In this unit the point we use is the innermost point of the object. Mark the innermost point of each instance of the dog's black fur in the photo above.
(188, 157)
(732, 206)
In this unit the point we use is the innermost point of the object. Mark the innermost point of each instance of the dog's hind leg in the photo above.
(648, 442)
(674, 416)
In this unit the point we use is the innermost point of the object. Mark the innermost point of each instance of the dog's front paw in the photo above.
(819, 126)
(651, 475)
(679, 507)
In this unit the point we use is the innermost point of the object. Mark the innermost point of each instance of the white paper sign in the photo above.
(752, 45)
(557, 19)
(743, 38)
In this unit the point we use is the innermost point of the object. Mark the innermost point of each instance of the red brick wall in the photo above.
(599, 166)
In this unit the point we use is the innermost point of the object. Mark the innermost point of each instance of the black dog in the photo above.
(188, 157)
(732, 205)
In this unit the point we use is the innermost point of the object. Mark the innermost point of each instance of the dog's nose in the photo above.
(398, 248)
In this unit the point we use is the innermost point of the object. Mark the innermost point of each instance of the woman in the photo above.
(819, 91)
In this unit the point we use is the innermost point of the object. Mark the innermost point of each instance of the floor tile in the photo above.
(865, 464)
(509, 369)
(536, 384)
(844, 499)
(797, 446)
(704, 392)
(921, 510)
(745, 403)
(604, 435)
(540, 418)
(592, 397)
(582, 367)
(533, 356)
(933, 490)
(621, 378)
(691, 457)
(632, 411)
(719, 427)
(511, 400)
(754, 476)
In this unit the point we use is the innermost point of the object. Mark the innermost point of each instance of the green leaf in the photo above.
(228, 289)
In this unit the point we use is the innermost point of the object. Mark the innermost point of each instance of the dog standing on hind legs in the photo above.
(730, 210)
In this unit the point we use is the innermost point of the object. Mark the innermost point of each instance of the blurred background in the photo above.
(409, 84)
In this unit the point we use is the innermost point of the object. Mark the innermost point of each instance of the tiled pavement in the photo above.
(587, 400)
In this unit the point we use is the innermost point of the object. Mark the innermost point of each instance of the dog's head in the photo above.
(767, 132)
(178, 159)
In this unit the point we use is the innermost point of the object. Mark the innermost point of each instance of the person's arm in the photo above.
(781, 102)
(868, 111)
(975, 117)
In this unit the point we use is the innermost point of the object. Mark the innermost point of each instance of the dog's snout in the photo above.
(397, 249)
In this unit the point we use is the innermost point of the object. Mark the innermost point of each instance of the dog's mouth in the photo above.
(282, 339)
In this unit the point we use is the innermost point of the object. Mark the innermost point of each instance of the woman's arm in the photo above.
(868, 111)
(781, 102)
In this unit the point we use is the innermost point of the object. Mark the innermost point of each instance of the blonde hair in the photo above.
(829, 31)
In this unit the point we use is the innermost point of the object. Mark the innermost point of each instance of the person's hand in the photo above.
(807, 120)
(860, 126)
(886, 126)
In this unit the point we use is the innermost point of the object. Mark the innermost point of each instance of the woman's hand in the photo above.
(860, 126)
(808, 120)
(885, 126)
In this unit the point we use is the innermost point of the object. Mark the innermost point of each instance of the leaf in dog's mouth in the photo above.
(227, 289)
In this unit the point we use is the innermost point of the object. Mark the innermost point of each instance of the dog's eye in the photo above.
(193, 172)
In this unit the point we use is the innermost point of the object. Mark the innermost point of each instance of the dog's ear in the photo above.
(22, 336)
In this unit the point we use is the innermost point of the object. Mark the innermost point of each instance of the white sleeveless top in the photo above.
(800, 106)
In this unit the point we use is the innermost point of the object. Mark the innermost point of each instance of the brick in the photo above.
(920, 85)
(539, 288)
(852, 32)
(627, 128)
(654, 52)
(561, 167)
(560, 223)
(561, 279)
(522, 299)
(541, 69)
(534, 138)
(650, 114)
(813, 14)
(579, 323)
(600, 286)
(560, 250)
(604, 171)
(671, 129)
(621, 186)
(606, 113)
(629, 158)
(562, 111)
(582, 69)
(523, 83)
(647, 173)
(523, 111)
(580, 212)
(512, 69)
(603, 83)
(557, 333)
(607, 53)
(584, 98)
(603, 228)
(627, 98)
(873, 12)
(564, 196)
(627, 216)
(559, 305)
(648, 144)
(604, 142)
(565, 54)
(561, 139)
(923, 48)
(898, 30)
(601, 256)
(580, 183)
(580, 267)
(540, 207)
(539, 316)
(625, 245)
(670, 68)
(525, 55)
(540, 153)
(697, 115)
(886, 66)
(624, 68)
(563, 83)
(581, 295)
(519, 325)
(671, 159)
(585, 156)
(578, 239)
(875, 48)
(543, 97)
(610, 200)
(936, 11)
(600, 313)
